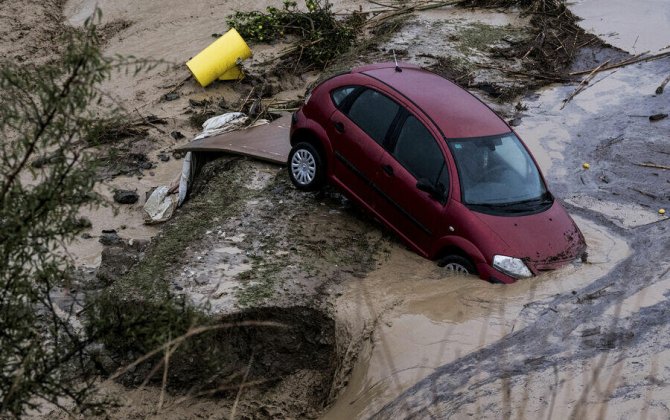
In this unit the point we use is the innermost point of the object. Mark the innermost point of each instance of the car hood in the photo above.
(544, 240)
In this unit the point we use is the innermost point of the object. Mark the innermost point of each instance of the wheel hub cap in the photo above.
(303, 166)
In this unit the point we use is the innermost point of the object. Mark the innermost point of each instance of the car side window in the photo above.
(340, 94)
(419, 153)
(374, 113)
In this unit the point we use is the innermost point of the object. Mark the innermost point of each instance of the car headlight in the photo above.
(511, 266)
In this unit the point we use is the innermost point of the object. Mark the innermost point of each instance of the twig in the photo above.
(643, 193)
(239, 390)
(383, 5)
(659, 90)
(247, 98)
(523, 73)
(653, 165)
(166, 364)
(180, 84)
(610, 142)
(583, 84)
(636, 59)
(149, 123)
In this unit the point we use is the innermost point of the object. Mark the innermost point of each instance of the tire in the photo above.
(306, 167)
(456, 264)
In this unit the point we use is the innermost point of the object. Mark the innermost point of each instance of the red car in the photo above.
(437, 166)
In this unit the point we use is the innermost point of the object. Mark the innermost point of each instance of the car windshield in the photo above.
(497, 172)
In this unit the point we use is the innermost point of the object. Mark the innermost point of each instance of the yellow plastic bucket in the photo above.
(219, 57)
(234, 73)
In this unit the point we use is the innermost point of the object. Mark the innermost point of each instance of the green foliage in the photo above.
(322, 36)
(46, 110)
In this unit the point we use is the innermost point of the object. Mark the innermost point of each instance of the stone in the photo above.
(110, 238)
(171, 96)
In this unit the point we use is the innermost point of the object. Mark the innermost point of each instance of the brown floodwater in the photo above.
(428, 319)
(127, 220)
(431, 319)
(633, 26)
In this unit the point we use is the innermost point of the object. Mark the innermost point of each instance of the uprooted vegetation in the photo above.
(556, 36)
(322, 37)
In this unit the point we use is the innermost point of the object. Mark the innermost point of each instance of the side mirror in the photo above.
(423, 185)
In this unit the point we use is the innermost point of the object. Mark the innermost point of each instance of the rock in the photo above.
(177, 135)
(83, 223)
(86, 235)
(126, 196)
(163, 157)
(198, 104)
(153, 119)
(110, 238)
(146, 165)
(171, 96)
(657, 117)
(116, 261)
(178, 154)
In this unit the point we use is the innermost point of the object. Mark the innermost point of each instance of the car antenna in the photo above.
(397, 67)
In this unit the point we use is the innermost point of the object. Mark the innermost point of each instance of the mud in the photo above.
(394, 336)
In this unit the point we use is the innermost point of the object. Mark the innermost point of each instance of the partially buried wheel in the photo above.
(456, 264)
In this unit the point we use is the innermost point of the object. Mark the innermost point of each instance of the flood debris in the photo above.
(177, 135)
(223, 123)
(220, 60)
(322, 36)
(160, 205)
(658, 117)
(659, 89)
(653, 165)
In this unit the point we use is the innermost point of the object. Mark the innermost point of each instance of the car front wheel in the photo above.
(305, 167)
(455, 264)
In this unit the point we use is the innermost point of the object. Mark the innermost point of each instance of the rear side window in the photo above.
(374, 113)
(340, 94)
(418, 152)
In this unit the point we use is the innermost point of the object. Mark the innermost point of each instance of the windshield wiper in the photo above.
(516, 205)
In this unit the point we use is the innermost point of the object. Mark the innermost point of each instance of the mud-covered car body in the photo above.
(435, 165)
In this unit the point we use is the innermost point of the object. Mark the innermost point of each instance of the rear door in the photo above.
(414, 154)
(358, 130)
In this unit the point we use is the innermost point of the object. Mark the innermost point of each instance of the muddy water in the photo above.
(127, 220)
(613, 107)
(430, 320)
(633, 26)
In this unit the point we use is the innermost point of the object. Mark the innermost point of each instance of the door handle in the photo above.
(388, 169)
(339, 126)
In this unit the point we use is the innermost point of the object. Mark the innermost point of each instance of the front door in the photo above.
(357, 133)
(414, 156)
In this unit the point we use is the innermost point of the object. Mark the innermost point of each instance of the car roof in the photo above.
(456, 112)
